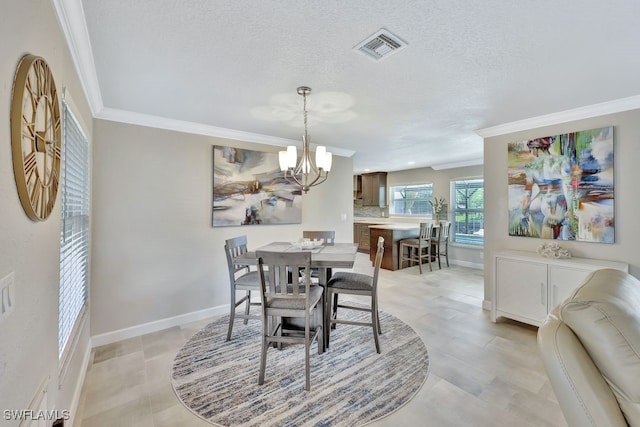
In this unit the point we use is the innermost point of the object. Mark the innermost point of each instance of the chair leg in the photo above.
(307, 367)
(334, 311)
(321, 341)
(446, 254)
(419, 252)
(326, 321)
(375, 322)
(265, 347)
(232, 314)
(247, 307)
(429, 257)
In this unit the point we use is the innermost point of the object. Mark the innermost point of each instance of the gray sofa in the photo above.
(590, 346)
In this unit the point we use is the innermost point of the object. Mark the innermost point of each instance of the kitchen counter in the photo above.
(392, 234)
(370, 220)
(396, 226)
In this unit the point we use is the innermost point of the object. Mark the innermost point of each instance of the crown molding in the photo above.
(595, 110)
(148, 120)
(74, 26)
(470, 162)
(72, 21)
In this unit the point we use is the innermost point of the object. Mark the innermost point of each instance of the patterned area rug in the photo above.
(350, 383)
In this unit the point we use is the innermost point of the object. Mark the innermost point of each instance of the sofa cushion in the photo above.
(604, 312)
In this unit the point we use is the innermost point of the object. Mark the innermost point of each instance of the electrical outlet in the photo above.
(7, 296)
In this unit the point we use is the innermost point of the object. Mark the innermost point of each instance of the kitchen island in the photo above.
(392, 234)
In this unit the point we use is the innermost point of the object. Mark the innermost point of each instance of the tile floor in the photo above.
(481, 373)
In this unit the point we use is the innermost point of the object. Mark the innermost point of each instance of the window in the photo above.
(74, 235)
(468, 213)
(411, 199)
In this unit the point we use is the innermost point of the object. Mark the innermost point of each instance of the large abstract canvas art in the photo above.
(250, 189)
(561, 187)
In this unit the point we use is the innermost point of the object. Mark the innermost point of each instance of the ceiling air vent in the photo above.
(381, 44)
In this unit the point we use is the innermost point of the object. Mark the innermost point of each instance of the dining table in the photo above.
(324, 257)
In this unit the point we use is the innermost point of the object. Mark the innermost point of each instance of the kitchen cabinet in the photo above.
(361, 235)
(528, 286)
(374, 189)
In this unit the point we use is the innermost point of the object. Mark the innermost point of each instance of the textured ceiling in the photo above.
(468, 65)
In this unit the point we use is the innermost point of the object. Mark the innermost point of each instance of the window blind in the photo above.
(468, 214)
(74, 236)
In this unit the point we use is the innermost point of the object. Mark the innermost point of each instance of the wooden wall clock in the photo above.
(36, 137)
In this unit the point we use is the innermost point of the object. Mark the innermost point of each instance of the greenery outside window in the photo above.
(468, 211)
(411, 199)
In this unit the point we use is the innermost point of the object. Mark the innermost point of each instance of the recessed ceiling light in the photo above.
(411, 163)
(367, 170)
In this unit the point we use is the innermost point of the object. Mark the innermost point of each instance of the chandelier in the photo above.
(307, 172)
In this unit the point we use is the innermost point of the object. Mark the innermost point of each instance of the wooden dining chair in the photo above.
(441, 245)
(345, 282)
(241, 279)
(329, 237)
(285, 297)
(418, 249)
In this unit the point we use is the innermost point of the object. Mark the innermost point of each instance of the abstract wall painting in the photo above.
(250, 189)
(561, 187)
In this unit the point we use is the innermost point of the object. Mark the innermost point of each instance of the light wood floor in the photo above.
(481, 373)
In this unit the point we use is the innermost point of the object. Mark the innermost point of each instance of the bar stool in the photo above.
(417, 250)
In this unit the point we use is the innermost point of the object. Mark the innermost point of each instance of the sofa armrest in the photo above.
(584, 396)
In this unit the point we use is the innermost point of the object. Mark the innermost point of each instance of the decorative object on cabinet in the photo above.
(249, 189)
(561, 187)
(553, 250)
(305, 173)
(527, 287)
(36, 136)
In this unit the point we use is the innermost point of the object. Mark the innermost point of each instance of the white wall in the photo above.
(29, 337)
(155, 253)
(626, 134)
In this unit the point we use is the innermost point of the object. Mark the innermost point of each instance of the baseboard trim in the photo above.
(467, 264)
(75, 402)
(486, 305)
(157, 325)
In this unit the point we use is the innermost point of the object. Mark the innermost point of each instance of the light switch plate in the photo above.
(7, 295)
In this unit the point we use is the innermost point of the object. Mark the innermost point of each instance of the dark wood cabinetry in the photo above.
(361, 236)
(392, 234)
(374, 189)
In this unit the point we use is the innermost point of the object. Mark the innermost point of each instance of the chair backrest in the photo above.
(426, 230)
(232, 248)
(328, 236)
(378, 261)
(445, 228)
(276, 279)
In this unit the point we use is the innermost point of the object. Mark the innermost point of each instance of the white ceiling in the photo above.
(232, 68)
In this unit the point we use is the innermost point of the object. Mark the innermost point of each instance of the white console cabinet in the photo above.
(527, 286)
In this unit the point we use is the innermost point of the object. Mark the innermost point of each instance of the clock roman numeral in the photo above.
(30, 165)
(34, 197)
(44, 202)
